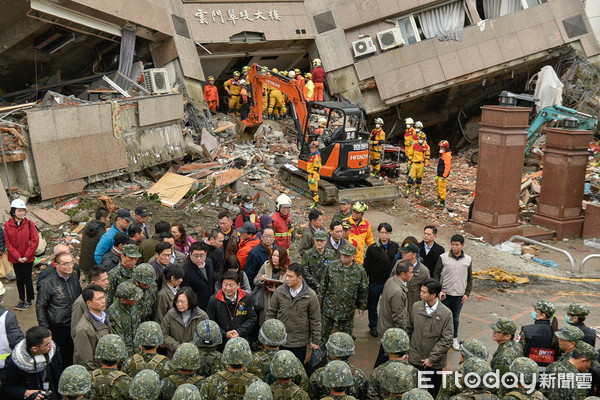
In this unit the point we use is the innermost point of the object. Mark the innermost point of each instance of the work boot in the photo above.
(407, 191)
(441, 203)
(455, 344)
(313, 206)
(417, 192)
(373, 332)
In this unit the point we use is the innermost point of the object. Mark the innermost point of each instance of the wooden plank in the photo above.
(171, 188)
(50, 215)
(227, 177)
(10, 108)
(224, 127)
(532, 176)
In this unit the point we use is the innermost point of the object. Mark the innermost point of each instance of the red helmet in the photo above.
(443, 144)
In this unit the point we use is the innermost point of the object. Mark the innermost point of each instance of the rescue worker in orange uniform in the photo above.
(361, 230)
(281, 221)
(443, 170)
(410, 136)
(211, 95)
(419, 161)
(309, 87)
(318, 77)
(276, 102)
(375, 143)
(313, 168)
(245, 100)
(300, 78)
(233, 88)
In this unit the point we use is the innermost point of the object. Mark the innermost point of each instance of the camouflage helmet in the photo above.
(144, 274)
(504, 325)
(111, 348)
(578, 310)
(475, 365)
(525, 366)
(207, 334)
(75, 381)
(395, 340)
(417, 394)
(570, 333)
(320, 235)
(258, 391)
(186, 391)
(545, 306)
(397, 378)
(237, 352)
(186, 357)
(592, 398)
(284, 364)
(340, 344)
(149, 334)
(337, 374)
(131, 250)
(272, 333)
(474, 348)
(348, 250)
(129, 291)
(587, 351)
(145, 385)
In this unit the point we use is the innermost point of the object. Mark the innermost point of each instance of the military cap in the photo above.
(474, 348)
(144, 273)
(337, 374)
(395, 340)
(186, 357)
(145, 385)
(131, 250)
(346, 224)
(345, 200)
(237, 352)
(207, 334)
(340, 344)
(417, 394)
(570, 333)
(410, 247)
(284, 364)
(526, 367)
(129, 291)
(110, 347)
(258, 391)
(75, 381)
(272, 333)
(505, 326)
(475, 365)
(587, 351)
(320, 235)
(149, 333)
(578, 310)
(397, 378)
(186, 391)
(348, 250)
(545, 306)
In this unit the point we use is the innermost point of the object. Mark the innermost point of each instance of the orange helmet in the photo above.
(314, 143)
(443, 144)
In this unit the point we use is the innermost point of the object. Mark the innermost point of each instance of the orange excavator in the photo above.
(344, 146)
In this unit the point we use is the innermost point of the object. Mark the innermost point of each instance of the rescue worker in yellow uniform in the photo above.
(410, 136)
(419, 161)
(375, 143)
(276, 102)
(419, 131)
(245, 71)
(233, 88)
(313, 168)
(443, 170)
(309, 87)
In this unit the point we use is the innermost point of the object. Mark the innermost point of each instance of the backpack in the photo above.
(141, 364)
(236, 385)
(103, 383)
(285, 394)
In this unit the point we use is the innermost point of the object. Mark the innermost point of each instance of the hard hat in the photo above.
(283, 201)
(476, 366)
(186, 357)
(149, 333)
(340, 344)
(337, 374)
(236, 73)
(284, 364)
(186, 391)
(75, 381)
(474, 348)
(409, 121)
(360, 207)
(314, 143)
(272, 333)
(443, 144)
(316, 61)
(207, 334)
(144, 274)
(211, 78)
(525, 367)
(246, 69)
(379, 121)
(18, 203)
(308, 75)
(297, 71)
(284, 73)
(275, 70)
(145, 385)
(237, 352)
(418, 124)
(397, 378)
(417, 394)
(110, 347)
(395, 340)
(242, 82)
(291, 74)
(259, 390)
(323, 122)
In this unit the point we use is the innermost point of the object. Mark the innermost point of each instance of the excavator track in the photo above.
(329, 193)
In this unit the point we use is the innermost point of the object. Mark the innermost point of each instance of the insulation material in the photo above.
(548, 88)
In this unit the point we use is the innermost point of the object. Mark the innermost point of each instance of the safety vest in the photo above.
(5, 349)
(103, 383)
(236, 385)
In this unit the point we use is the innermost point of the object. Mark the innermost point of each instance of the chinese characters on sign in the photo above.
(217, 16)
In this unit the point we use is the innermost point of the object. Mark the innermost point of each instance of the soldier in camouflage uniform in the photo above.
(508, 349)
(108, 383)
(527, 370)
(283, 367)
(317, 259)
(341, 215)
(258, 391)
(336, 378)
(145, 278)
(581, 360)
(186, 361)
(395, 343)
(576, 314)
(145, 386)
(471, 348)
(75, 382)
(479, 367)
(396, 380)
(147, 338)
(122, 272)
(417, 394)
(344, 288)
(187, 391)
(567, 340)
(124, 314)
(207, 337)
(231, 384)
(340, 346)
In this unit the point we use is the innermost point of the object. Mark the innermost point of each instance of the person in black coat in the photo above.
(429, 250)
(199, 273)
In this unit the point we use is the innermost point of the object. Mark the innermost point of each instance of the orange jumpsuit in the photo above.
(211, 95)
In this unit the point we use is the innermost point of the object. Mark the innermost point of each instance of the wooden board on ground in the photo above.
(224, 127)
(50, 215)
(171, 188)
(227, 177)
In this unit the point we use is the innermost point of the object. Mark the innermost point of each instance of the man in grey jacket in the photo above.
(430, 329)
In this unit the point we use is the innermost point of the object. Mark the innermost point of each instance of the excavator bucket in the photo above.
(244, 133)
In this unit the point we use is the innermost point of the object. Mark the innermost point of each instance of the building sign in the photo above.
(233, 15)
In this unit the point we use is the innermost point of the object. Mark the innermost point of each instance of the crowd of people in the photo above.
(232, 314)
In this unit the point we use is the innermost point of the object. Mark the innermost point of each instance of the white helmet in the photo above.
(379, 121)
(409, 121)
(243, 82)
(18, 203)
(283, 201)
(316, 61)
(323, 122)
(419, 124)
(291, 74)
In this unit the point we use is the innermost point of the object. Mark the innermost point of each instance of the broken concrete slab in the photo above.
(227, 177)
(50, 215)
(171, 188)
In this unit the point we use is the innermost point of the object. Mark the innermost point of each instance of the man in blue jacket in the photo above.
(107, 240)
(259, 254)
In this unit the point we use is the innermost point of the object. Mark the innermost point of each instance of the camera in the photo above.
(46, 394)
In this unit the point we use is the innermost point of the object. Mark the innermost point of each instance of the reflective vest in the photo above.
(5, 349)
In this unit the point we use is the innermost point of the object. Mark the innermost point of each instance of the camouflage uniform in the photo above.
(260, 366)
(144, 274)
(530, 372)
(358, 388)
(315, 264)
(75, 381)
(468, 349)
(120, 274)
(145, 386)
(397, 379)
(258, 391)
(285, 365)
(187, 359)
(110, 383)
(207, 337)
(343, 290)
(187, 391)
(339, 215)
(148, 334)
(126, 319)
(337, 374)
(565, 367)
(288, 390)
(569, 333)
(506, 352)
(417, 394)
(480, 367)
(581, 312)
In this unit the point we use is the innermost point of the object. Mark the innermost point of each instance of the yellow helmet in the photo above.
(308, 75)
(297, 71)
(275, 70)
(236, 73)
(246, 69)
(360, 207)
(284, 73)
(211, 78)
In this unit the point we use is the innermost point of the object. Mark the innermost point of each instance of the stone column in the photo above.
(565, 160)
(502, 140)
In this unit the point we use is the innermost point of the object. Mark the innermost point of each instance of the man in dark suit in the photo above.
(429, 250)
(200, 273)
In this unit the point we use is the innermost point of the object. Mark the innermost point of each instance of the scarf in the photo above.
(25, 361)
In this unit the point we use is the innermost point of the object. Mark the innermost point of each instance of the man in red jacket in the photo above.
(281, 221)
(318, 76)
(248, 241)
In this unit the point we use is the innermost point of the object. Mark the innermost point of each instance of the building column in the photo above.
(565, 160)
(502, 140)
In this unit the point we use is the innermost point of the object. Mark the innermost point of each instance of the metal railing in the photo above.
(585, 260)
(566, 253)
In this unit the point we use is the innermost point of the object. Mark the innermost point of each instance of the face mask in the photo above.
(567, 320)
(249, 206)
(533, 315)
(407, 126)
(418, 129)
(441, 151)
(421, 142)
(377, 126)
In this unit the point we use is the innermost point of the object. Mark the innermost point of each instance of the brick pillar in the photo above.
(565, 160)
(502, 140)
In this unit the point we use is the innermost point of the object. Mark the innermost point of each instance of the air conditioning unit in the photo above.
(363, 47)
(390, 38)
(156, 80)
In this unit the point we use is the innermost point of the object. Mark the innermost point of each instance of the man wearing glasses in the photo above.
(55, 301)
(199, 273)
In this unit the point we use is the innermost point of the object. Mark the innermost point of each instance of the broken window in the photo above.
(498, 8)
(442, 20)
